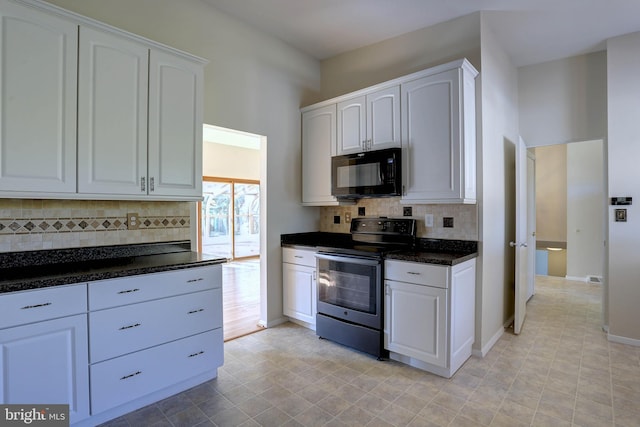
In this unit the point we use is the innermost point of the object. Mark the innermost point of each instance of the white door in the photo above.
(175, 125)
(38, 79)
(351, 126)
(47, 363)
(531, 224)
(383, 118)
(112, 114)
(521, 245)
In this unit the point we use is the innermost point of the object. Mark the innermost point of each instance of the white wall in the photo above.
(551, 193)
(623, 95)
(563, 101)
(585, 209)
(229, 161)
(254, 83)
(402, 55)
(499, 129)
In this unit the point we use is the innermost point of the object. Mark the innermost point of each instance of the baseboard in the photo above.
(623, 340)
(272, 323)
(494, 339)
(576, 278)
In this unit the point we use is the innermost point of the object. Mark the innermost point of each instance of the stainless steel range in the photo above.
(350, 276)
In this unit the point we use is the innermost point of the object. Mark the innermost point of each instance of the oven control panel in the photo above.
(394, 226)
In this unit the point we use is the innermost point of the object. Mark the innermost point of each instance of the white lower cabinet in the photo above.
(299, 285)
(147, 335)
(43, 359)
(430, 314)
(123, 379)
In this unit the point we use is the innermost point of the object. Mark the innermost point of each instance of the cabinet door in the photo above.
(175, 125)
(383, 118)
(38, 84)
(112, 113)
(299, 289)
(318, 145)
(55, 350)
(431, 138)
(416, 321)
(352, 136)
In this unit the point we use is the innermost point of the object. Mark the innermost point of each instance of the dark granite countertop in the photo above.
(429, 251)
(21, 271)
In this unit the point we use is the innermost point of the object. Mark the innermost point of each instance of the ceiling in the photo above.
(531, 31)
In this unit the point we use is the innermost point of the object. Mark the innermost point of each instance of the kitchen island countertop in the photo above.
(20, 271)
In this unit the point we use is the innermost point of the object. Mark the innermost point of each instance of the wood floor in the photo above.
(241, 298)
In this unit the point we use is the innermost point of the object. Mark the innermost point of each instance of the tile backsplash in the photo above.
(465, 217)
(52, 224)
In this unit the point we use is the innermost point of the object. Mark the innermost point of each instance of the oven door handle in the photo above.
(348, 258)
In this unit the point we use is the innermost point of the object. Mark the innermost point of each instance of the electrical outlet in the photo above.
(361, 211)
(133, 222)
(347, 217)
(336, 219)
(428, 220)
(447, 222)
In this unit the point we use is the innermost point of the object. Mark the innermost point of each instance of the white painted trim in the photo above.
(494, 339)
(272, 323)
(623, 340)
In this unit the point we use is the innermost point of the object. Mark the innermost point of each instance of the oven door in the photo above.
(350, 288)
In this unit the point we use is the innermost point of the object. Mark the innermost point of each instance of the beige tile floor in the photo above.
(561, 371)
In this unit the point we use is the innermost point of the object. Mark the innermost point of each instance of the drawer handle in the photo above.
(413, 272)
(131, 375)
(195, 311)
(27, 307)
(199, 279)
(129, 291)
(129, 327)
(196, 354)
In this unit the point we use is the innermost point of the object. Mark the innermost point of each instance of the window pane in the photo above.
(247, 220)
(216, 215)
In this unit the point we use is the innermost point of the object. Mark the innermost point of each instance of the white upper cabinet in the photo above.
(438, 137)
(129, 107)
(112, 114)
(175, 125)
(38, 93)
(369, 122)
(318, 145)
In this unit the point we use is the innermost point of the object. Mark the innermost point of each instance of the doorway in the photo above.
(229, 222)
(571, 214)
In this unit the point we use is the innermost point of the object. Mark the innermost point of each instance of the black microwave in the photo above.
(369, 174)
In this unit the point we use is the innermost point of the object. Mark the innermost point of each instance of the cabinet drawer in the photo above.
(414, 272)
(299, 256)
(126, 378)
(20, 308)
(123, 330)
(133, 289)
